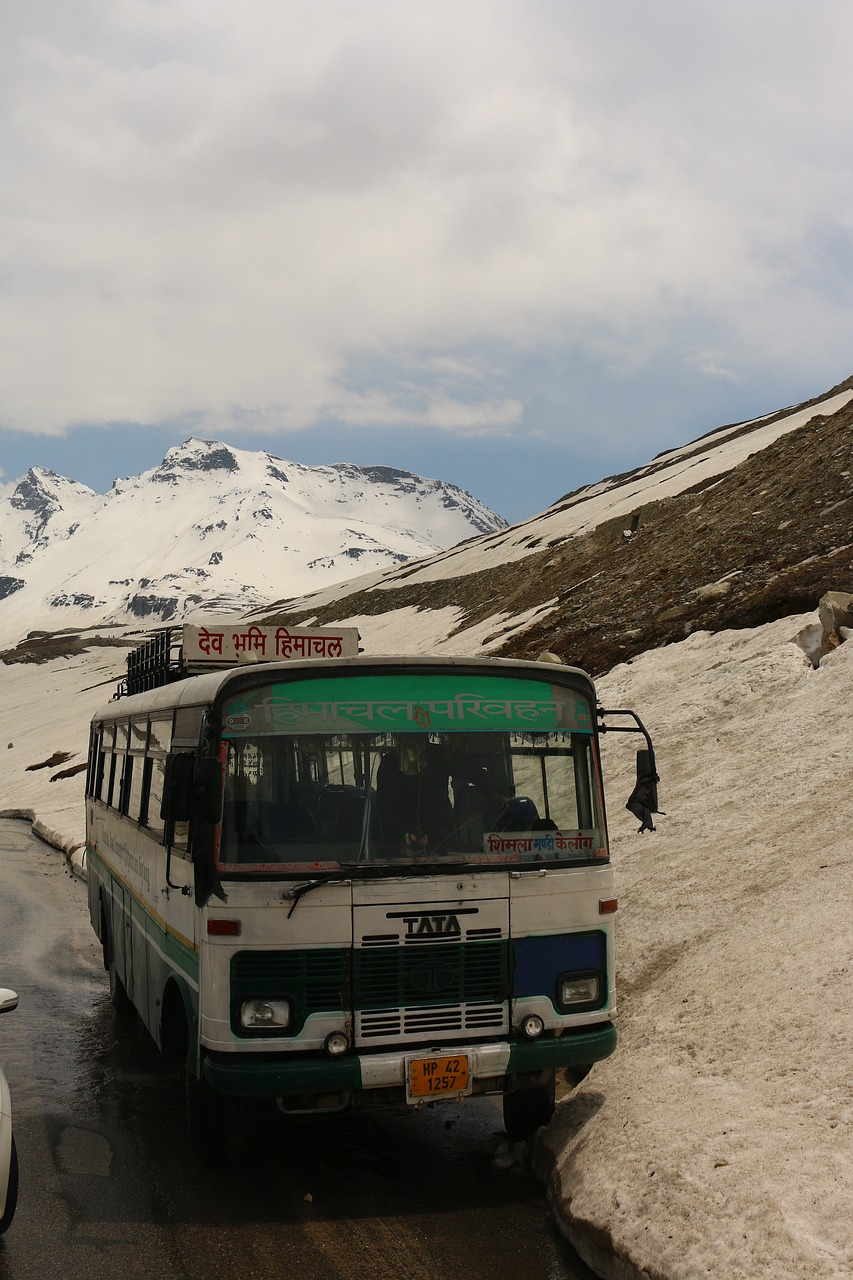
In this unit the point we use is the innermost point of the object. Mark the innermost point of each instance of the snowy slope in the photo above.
(212, 528)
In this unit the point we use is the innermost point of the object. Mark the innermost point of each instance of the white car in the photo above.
(8, 1153)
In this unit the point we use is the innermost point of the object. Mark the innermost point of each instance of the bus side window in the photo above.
(106, 764)
(94, 752)
(98, 781)
(136, 763)
(123, 767)
(111, 787)
(124, 786)
(180, 832)
(185, 736)
(102, 739)
(159, 735)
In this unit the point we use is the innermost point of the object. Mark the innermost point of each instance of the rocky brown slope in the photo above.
(762, 541)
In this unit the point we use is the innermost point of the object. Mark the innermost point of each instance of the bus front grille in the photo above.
(419, 1024)
(449, 973)
(448, 989)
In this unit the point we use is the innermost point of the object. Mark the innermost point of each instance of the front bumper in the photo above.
(267, 1076)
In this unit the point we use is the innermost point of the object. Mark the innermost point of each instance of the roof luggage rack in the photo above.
(157, 662)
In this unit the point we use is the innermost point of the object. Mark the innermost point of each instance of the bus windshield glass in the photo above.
(397, 770)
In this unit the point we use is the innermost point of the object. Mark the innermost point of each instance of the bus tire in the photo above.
(11, 1190)
(174, 1026)
(526, 1110)
(119, 999)
(215, 1122)
(574, 1075)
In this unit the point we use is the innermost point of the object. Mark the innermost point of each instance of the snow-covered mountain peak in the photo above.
(42, 506)
(42, 492)
(213, 528)
(195, 455)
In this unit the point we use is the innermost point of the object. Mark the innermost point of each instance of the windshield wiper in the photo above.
(365, 870)
(299, 890)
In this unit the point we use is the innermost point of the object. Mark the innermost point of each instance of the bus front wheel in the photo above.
(525, 1110)
(216, 1123)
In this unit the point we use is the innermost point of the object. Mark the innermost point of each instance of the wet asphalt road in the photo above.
(109, 1186)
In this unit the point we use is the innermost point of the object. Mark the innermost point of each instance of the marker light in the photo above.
(257, 1015)
(607, 906)
(336, 1043)
(532, 1027)
(223, 928)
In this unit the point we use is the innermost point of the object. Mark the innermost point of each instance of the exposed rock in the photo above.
(835, 611)
(810, 640)
(8, 585)
(195, 455)
(163, 607)
(31, 495)
(834, 626)
(58, 757)
(70, 772)
(78, 600)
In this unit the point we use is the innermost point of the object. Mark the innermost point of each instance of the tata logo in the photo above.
(435, 926)
(432, 978)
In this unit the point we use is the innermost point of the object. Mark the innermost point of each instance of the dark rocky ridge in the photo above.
(209, 456)
(762, 541)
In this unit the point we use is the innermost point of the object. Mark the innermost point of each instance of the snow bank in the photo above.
(719, 1138)
(46, 712)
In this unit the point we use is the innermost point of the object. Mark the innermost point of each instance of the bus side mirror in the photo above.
(643, 800)
(208, 788)
(177, 787)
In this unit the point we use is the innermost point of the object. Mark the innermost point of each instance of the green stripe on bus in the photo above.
(276, 1079)
(568, 1050)
(182, 954)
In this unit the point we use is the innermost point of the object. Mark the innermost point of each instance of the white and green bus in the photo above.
(333, 881)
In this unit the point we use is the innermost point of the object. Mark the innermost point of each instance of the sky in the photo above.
(517, 246)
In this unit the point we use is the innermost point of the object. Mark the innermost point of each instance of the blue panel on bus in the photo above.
(540, 961)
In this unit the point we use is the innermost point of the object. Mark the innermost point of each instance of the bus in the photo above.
(331, 880)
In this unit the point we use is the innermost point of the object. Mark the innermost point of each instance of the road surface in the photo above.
(109, 1186)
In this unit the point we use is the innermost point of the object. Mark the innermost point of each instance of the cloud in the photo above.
(227, 213)
(707, 363)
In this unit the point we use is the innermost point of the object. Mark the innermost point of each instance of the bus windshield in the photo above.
(310, 787)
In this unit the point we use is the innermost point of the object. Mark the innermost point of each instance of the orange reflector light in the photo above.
(223, 928)
(606, 906)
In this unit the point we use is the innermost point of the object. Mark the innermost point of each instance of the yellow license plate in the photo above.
(438, 1077)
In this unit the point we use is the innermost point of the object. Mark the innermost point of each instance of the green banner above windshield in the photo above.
(402, 703)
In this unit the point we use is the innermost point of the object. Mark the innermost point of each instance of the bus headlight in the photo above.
(336, 1043)
(532, 1027)
(260, 1015)
(575, 989)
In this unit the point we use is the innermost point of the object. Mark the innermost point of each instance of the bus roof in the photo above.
(203, 690)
